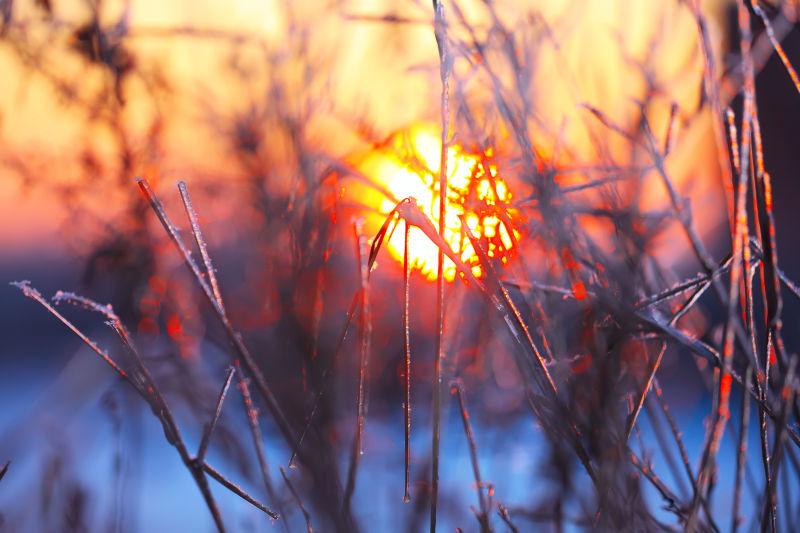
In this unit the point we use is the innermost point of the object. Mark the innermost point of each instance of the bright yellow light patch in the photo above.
(409, 167)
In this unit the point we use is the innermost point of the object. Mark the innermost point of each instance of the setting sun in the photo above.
(409, 167)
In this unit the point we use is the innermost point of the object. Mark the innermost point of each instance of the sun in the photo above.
(408, 166)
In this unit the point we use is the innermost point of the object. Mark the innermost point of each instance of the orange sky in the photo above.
(385, 75)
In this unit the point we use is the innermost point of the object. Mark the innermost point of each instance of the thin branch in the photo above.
(326, 376)
(255, 430)
(776, 44)
(365, 334)
(141, 381)
(788, 395)
(239, 491)
(201, 243)
(445, 65)
(483, 518)
(208, 430)
(35, 295)
(502, 510)
(741, 452)
(298, 501)
(233, 336)
(407, 367)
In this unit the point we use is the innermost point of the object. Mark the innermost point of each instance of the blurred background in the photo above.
(290, 121)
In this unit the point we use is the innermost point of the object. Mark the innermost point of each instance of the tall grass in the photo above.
(582, 321)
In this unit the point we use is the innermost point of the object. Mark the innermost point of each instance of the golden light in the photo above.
(386, 74)
(409, 167)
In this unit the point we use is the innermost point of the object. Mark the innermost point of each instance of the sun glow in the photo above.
(409, 167)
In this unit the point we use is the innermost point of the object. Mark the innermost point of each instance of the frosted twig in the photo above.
(233, 336)
(407, 367)
(513, 320)
(201, 243)
(722, 413)
(141, 381)
(365, 334)
(209, 428)
(255, 431)
(239, 491)
(35, 295)
(445, 65)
